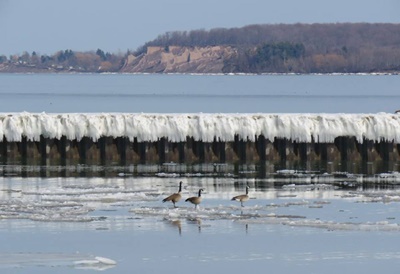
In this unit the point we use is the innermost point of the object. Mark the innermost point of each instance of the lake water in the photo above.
(54, 93)
(112, 219)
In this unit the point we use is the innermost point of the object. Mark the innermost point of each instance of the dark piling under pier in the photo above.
(124, 151)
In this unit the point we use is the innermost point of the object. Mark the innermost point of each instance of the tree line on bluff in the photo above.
(280, 48)
(64, 60)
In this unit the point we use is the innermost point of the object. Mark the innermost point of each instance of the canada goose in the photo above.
(195, 200)
(242, 198)
(174, 198)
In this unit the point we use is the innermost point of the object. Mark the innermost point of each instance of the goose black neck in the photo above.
(200, 192)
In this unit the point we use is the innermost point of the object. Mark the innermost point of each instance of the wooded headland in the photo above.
(279, 48)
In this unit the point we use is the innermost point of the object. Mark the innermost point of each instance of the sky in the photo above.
(46, 26)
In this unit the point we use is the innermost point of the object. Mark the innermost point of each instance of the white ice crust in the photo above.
(322, 127)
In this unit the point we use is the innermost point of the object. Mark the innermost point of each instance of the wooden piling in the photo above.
(121, 150)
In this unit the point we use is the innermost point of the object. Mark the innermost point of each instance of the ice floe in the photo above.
(101, 201)
(76, 260)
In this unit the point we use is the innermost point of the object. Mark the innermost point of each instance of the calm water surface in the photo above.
(55, 93)
(332, 223)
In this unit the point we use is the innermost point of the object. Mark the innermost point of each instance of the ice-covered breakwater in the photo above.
(201, 127)
(200, 137)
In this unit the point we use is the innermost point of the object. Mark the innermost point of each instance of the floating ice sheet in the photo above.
(101, 201)
(78, 261)
(262, 215)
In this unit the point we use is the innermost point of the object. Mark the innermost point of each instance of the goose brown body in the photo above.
(242, 198)
(196, 199)
(176, 197)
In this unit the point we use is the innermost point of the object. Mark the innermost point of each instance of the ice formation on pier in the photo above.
(206, 127)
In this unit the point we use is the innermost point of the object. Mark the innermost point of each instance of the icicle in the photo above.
(205, 127)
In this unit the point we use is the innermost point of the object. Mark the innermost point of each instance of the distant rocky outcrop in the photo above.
(175, 59)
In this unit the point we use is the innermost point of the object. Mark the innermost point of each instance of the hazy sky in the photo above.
(46, 26)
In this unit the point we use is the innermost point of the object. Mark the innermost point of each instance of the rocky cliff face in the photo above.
(175, 59)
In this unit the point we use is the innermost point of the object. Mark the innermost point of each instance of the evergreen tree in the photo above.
(102, 55)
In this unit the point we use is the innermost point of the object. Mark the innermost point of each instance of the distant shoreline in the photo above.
(209, 74)
(342, 48)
